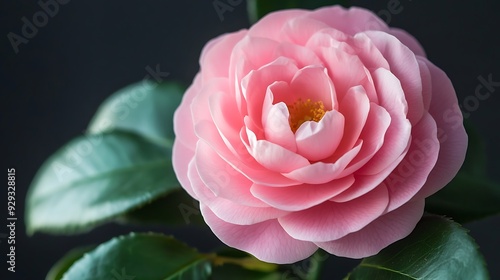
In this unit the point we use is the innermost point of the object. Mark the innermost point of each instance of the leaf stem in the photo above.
(251, 263)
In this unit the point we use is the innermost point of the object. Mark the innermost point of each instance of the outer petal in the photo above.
(350, 21)
(216, 54)
(222, 179)
(398, 135)
(380, 233)
(271, 25)
(411, 174)
(296, 198)
(226, 209)
(451, 133)
(269, 242)
(183, 120)
(330, 220)
(404, 65)
(408, 40)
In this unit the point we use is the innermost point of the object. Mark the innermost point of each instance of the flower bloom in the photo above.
(321, 128)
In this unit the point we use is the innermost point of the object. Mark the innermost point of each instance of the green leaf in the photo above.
(57, 271)
(437, 249)
(95, 178)
(259, 8)
(466, 198)
(176, 208)
(147, 256)
(146, 108)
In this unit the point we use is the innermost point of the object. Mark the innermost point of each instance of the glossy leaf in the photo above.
(259, 8)
(60, 267)
(141, 256)
(96, 178)
(146, 108)
(437, 249)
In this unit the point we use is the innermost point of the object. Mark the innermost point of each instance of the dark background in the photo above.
(51, 88)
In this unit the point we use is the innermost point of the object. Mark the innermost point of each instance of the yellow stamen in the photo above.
(302, 111)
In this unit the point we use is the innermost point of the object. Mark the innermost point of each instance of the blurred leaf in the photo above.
(470, 195)
(146, 108)
(60, 267)
(259, 8)
(141, 256)
(176, 208)
(437, 249)
(466, 198)
(95, 178)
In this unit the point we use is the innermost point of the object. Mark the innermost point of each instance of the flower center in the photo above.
(303, 111)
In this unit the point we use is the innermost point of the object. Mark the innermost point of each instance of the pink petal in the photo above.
(226, 118)
(181, 157)
(274, 157)
(301, 55)
(345, 70)
(313, 82)
(410, 175)
(373, 135)
(321, 172)
(405, 67)
(299, 30)
(183, 120)
(222, 179)
(200, 110)
(365, 183)
(215, 56)
(243, 163)
(355, 107)
(296, 198)
(408, 40)
(368, 53)
(451, 133)
(255, 84)
(397, 137)
(270, 26)
(228, 210)
(349, 21)
(275, 119)
(329, 220)
(267, 241)
(318, 140)
(380, 233)
(426, 83)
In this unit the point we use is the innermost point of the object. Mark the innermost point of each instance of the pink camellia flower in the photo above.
(312, 129)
